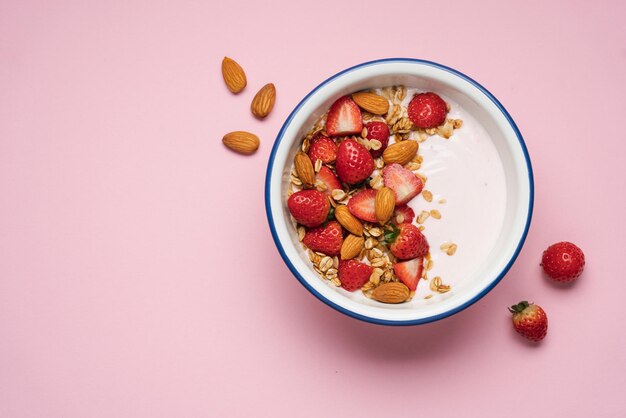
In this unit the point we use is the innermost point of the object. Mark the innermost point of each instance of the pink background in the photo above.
(138, 277)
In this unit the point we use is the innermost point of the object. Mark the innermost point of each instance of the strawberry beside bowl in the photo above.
(480, 176)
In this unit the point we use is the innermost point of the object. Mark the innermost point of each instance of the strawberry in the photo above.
(353, 274)
(409, 242)
(380, 132)
(529, 320)
(403, 215)
(403, 182)
(344, 118)
(563, 262)
(309, 207)
(326, 239)
(322, 148)
(354, 162)
(329, 179)
(427, 110)
(410, 272)
(361, 205)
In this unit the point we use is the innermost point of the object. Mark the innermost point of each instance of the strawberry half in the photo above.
(410, 272)
(409, 243)
(403, 182)
(427, 110)
(344, 118)
(362, 205)
(322, 148)
(354, 162)
(309, 207)
(380, 132)
(353, 274)
(403, 215)
(326, 239)
(329, 179)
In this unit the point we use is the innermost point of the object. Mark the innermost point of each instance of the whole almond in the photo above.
(392, 292)
(384, 204)
(371, 102)
(400, 152)
(351, 247)
(263, 101)
(241, 141)
(234, 76)
(348, 220)
(304, 168)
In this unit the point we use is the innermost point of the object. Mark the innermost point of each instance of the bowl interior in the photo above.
(474, 100)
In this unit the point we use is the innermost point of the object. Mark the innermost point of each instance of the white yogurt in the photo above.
(466, 171)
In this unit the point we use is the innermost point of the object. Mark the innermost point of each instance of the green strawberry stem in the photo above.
(331, 214)
(390, 236)
(519, 307)
(364, 183)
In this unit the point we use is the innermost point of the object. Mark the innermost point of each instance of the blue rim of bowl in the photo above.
(294, 271)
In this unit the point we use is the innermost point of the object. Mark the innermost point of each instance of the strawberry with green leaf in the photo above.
(529, 320)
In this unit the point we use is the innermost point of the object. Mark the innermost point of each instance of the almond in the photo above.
(400, 152)
(263, 101)
(348, 220)
(242, 142)
(233, 74)
(384, 204)
(304, 168)
(351, 247)
(392, 292)
(371, 102)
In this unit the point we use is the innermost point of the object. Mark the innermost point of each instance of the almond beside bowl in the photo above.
(479, 192)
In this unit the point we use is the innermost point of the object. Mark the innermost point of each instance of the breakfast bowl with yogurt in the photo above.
(399, 191)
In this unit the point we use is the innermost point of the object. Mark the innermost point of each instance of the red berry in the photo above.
(353, 274)
(322, 148)
(529, 320)
(380, 132)
(326, 239)
(410, 272)
(362, 205)
(354, 162)
(410, 243)
(563, 262)
(403, 214)
(329, 179)
(309, 207)
(427, 110)
(403, 182)
(344, 118)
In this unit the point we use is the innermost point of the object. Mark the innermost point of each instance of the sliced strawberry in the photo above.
(354, 162)
(326, 239)
(322, 148)
(344, 118)
(410, 272)
(380, 132)
(361, 205)
(403, 182)
(403, 215)
(410, 243)
(427, 110)
(353, 274)
(329, 179)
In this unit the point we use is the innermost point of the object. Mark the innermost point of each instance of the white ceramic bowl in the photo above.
(475, 100)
